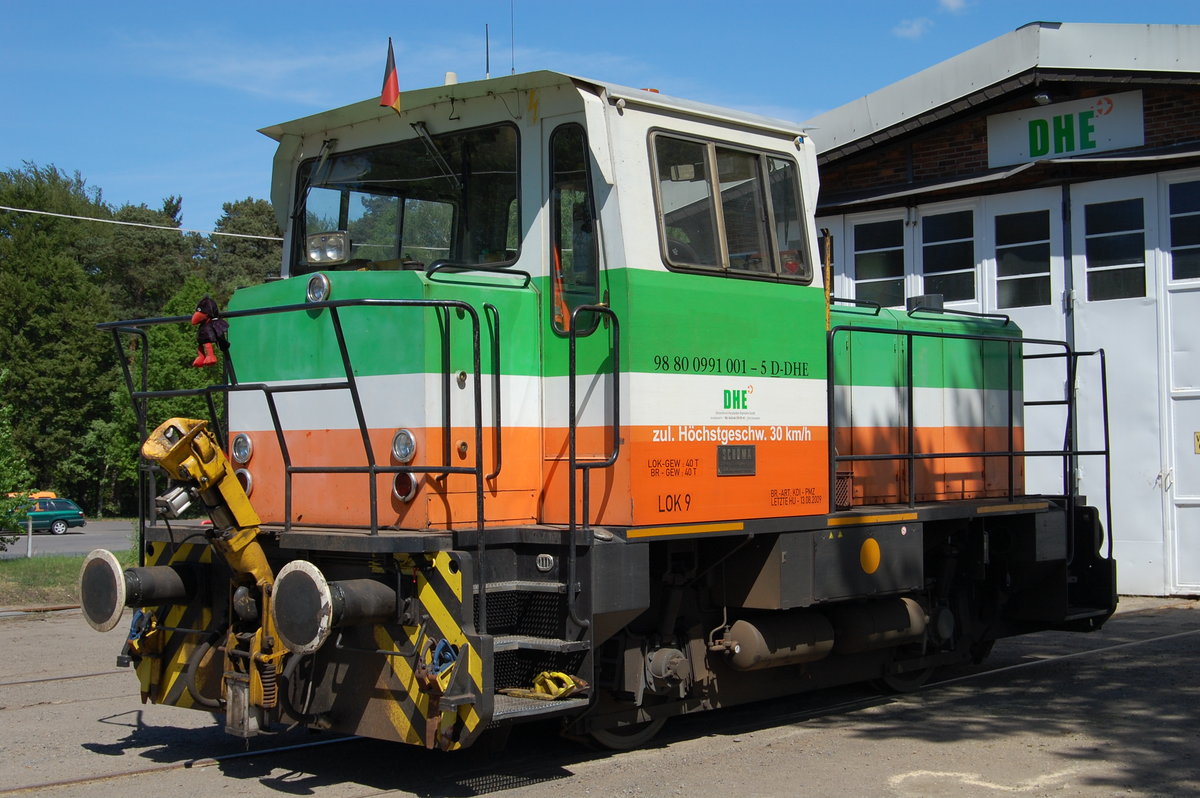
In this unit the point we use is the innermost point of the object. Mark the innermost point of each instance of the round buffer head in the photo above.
(302, 606)
(102, 590)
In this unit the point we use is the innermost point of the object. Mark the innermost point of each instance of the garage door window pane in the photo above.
(1023, 259)
(1185, 230)
(1115, 248)
(879, 262)
(948, 255)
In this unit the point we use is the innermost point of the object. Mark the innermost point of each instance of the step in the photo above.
(1080, 613)
(509, 707)
(515, 642)
(523, 586)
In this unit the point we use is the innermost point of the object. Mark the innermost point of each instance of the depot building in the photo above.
(1052, 176)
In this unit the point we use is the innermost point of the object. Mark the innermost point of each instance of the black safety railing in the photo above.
(141, 395)
(1069, 453)
(575, 467)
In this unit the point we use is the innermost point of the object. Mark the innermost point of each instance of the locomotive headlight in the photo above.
(318, 288)
(327, 249)
(404, 487)
(245, 480)
(242, 448)
(404, 446)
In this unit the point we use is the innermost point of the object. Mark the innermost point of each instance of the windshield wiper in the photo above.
(302, 197)
(435, 153)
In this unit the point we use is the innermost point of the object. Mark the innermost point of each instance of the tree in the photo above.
(15, 477)
(142, 267)
(231, 263)
(59, 368)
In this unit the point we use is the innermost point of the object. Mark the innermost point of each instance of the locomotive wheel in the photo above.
(907, 682)
(980, 651)
(624, 738)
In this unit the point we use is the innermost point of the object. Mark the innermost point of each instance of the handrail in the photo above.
(860, 303)
(574, 465)
(492, 311)
(974, 314)
(459, 268)
(1069, 453)
(142, 394)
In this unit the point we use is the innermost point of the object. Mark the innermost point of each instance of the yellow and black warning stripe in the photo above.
(163, 667)
(439, 594)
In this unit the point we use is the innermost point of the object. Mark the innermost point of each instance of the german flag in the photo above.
(389, 96)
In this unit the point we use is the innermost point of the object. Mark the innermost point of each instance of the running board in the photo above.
(509, 707)
(526, 642)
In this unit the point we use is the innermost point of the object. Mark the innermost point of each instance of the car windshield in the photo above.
(445, 197)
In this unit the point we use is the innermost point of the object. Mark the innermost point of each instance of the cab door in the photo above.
(574, 268)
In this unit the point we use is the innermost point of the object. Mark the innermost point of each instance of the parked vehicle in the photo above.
(57, 515)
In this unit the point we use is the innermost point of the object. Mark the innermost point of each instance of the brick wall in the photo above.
(957, 148)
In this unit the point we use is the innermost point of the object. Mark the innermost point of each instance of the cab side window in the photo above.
(575, 249)
(729, 209)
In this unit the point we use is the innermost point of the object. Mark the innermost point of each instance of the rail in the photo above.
(141, 395)
(575, 467)
(1070, 452)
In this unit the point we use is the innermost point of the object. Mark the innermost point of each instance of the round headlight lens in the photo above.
(242, 448)
(246, 481)
(404, 487)
(404, 446)
(335, 249)
(318, 288)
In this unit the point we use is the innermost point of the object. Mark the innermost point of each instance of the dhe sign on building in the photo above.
(1095, 124)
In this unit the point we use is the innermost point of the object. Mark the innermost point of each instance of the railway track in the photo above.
(533, 765)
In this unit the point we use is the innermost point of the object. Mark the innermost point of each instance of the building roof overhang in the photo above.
(1040, 52)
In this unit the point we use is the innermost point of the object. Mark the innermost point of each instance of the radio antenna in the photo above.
(512, 34)
(487, 53)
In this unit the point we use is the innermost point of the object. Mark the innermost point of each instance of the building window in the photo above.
(1115, 238)
(730, 209)
(1185, 230)
(948, 255)
(1023, 259)
(879, 262)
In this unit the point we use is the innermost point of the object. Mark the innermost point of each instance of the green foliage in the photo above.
(231, 263)
(59, 370)
(172, 349)
(15, 477)
(144, 267)
(69, 422)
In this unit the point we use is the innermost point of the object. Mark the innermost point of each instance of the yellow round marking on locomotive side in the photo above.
(868, 555)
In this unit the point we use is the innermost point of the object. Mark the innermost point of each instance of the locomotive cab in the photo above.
(551, 413)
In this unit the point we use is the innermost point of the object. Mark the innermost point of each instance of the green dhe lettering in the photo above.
(1039, 137)
(1086, 130)
(1064, 133)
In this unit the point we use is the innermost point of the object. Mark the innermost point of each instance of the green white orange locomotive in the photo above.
(552, 414)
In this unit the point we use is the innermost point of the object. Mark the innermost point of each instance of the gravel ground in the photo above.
(1113, 712)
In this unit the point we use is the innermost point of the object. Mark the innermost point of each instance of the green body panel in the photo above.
(699, 319)
(873, 359)
(383, 340)
(670, 323)
(693, 320)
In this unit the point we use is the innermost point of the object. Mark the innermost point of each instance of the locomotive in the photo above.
(552, 413)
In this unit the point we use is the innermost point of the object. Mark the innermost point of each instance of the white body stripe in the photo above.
(887, 406)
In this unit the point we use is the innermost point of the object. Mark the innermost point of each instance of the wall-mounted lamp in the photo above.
(1041, 98)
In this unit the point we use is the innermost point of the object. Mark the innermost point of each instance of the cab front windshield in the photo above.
(450, 197)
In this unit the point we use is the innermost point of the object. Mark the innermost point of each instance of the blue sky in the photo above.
(148, 99)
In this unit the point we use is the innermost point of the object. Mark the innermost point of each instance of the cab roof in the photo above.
(369, 110)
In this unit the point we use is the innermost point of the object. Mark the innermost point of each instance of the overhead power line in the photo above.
(139, 224)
